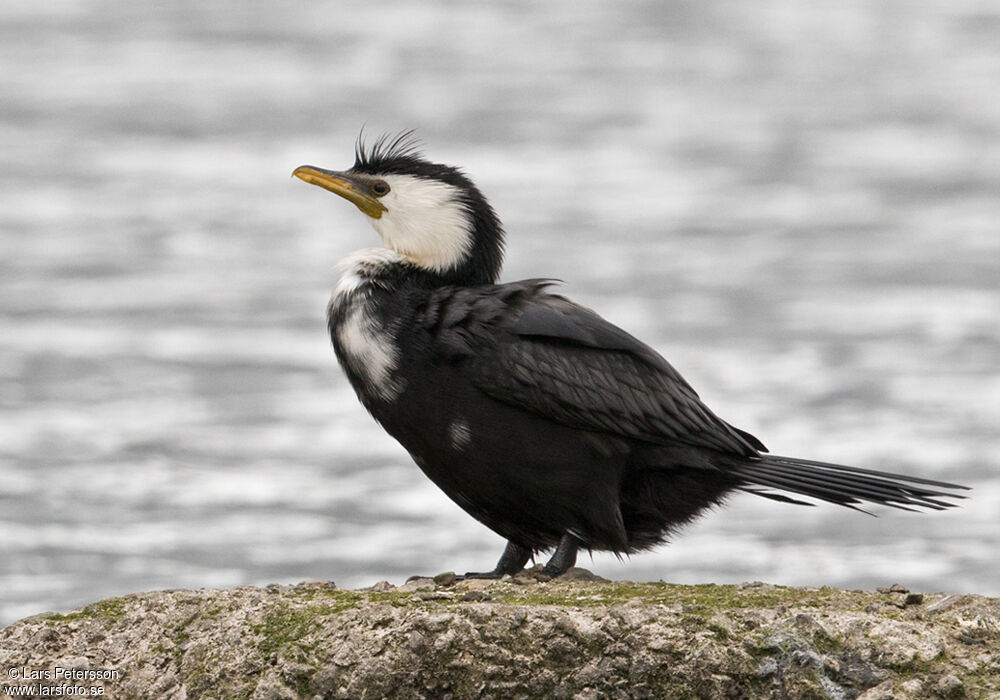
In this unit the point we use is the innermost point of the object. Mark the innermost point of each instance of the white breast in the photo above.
(365, 347)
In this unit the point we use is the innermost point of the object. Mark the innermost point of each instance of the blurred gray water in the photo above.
(797, 204)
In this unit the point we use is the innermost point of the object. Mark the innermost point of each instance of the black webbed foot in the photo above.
(479, 575)
(512, 560)
(563, 558)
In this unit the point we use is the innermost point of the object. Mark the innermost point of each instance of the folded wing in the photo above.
(545, 354)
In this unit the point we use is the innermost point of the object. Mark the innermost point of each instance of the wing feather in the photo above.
(547, 355)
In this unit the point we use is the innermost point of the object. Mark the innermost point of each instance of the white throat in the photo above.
(426, 222)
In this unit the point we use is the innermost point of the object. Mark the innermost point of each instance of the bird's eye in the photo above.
(380, 188)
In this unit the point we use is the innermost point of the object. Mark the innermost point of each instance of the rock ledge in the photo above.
(575, 637)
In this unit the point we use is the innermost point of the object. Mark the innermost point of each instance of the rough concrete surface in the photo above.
(575, 637)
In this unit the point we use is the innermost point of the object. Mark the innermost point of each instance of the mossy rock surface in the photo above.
(518, 638)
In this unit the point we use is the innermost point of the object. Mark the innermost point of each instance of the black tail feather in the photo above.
(780, 497)
(843, 485)
(875, 488)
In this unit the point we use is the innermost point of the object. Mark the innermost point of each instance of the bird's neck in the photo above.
(372, 269)
(388, 267)
(484, 261)
(482, 266)
(470, 273)
(482, 258)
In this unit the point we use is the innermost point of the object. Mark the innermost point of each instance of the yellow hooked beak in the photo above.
(349, 187)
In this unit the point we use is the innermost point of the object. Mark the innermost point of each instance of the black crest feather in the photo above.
(386, 151)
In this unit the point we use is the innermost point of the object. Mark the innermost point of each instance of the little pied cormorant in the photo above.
(542, 420)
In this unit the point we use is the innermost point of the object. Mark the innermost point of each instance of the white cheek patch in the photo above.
(369, 351)
(425, 221)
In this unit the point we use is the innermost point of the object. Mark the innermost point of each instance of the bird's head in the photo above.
(432, 214)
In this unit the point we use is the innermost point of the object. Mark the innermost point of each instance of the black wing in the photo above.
(547, 355)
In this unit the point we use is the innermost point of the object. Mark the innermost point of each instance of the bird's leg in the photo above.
(563, 558)
(512, 560)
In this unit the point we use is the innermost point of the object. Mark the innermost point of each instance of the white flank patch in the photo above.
(425, 222)
(460, 434)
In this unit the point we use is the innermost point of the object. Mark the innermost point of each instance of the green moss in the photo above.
(335, 599)
(914, 665)
(395, 599)
(179, 635)
(825, 643)
(302, 682)
(983, 683)
(720, 632)
(284, 627)
(110, 609)
(213, 611)
(806, 686)
(701, 600)
(709, 598)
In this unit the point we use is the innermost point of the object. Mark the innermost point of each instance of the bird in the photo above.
(545, 422)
